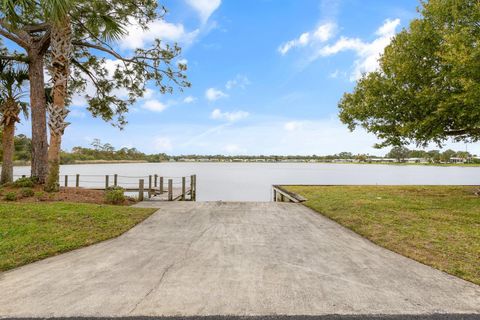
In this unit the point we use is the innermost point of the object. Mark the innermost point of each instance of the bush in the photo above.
(24, 183)
(114, 195)
(41, 195)
(27, 192)
(10, 196)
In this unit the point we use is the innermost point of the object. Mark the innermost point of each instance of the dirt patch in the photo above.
(75, 195)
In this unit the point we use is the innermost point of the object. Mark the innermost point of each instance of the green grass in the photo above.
(33, 231)
(438, 226)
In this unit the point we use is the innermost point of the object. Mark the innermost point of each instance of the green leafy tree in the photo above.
(428, 86)
(12, 78)
(399, 153)
(96, 26)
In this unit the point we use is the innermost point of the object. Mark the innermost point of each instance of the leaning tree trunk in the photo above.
(9, 118)
(38, 108)
(61, 46)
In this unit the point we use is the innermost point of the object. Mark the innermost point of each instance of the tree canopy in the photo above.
(428, 86)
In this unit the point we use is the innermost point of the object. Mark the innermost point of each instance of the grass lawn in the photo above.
(438, 226)
(33, 231)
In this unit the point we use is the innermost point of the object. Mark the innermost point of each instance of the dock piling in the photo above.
(170, 189)
(183, 188)
(155, 180)
(115, 179)
(107, 184)
(77, 180)
(140, 189)
(161, 185)
(66, 180)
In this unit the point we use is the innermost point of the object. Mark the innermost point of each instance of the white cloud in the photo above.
(234, 149)
(213, 94)
(183, 61)
(217, 114)
(323, 33)
(161, 29)
(293, 125)
(367, 53)
(189, 99)
(154, 105)
(162, 144)
(240, 81)
(204, 8)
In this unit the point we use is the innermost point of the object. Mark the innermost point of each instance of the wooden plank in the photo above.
(281, 193)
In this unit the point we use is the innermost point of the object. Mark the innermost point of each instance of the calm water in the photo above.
(253, 181)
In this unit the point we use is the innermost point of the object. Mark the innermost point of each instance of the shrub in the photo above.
(114, 195)
(41, 195)
(27, 192)
(24, 183)
(10, 196)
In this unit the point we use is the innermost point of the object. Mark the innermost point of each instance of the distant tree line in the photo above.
(106, 152)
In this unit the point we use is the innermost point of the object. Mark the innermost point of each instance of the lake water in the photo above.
(253, 181)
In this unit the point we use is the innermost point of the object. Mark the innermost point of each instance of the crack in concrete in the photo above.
(156, 286)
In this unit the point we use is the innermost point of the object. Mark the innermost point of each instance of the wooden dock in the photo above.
(152, 187)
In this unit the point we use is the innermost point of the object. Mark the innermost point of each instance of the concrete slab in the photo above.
(193, 258)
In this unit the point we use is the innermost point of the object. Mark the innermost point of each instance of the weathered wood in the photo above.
(77, 180)
(107, 184)
(140, 189)
(115, 179)
(66, 180)
(281, 194)
(149, 186)
(161, 185)
(170, 189)
(191, 188)
(194, 190)
(155, 180)
(183, 188)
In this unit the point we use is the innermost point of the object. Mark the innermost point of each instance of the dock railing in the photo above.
(153, 187)
(282, 195)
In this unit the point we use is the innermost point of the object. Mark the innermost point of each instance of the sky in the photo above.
(266, 78)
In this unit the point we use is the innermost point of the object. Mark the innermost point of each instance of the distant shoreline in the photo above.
(79, 162)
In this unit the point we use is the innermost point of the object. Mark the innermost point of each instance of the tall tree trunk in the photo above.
(39, 120)
(8, 149)
(61, 46)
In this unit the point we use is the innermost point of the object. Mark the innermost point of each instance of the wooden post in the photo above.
(155, 180)
(66, 180)
(274, 195)
(192, 197)
(77, 180)
(194, 187)
(115, 179)
(183, 188)
(170, 189)
(107, 177)
(149, 186)
(140, 190)
(161, 185)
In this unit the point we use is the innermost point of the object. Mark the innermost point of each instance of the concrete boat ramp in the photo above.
(235, 259)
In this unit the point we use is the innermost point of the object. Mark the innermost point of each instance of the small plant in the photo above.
(114, 195)
(24, 182)
(10, 196)
(41, 195)
(27, 192)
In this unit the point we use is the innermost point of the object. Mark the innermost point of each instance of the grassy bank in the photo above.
(33, 231)
(438, 226)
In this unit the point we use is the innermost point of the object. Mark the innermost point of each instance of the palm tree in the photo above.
(11, 80)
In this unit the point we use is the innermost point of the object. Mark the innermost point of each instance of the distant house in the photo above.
(416, 160)
(458, 160)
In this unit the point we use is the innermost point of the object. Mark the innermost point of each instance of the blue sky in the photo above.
(266, 77)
